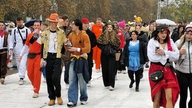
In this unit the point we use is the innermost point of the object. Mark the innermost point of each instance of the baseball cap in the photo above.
(85, 20)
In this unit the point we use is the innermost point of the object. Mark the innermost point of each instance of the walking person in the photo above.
(66, 54)
(17, 41)
(97, 30)
(161, 51)
(79, 45)
(184, 67)
(33, 48)
(134, 56)
(3, 52)
(93, 42)
(108, 42)
(52, 42)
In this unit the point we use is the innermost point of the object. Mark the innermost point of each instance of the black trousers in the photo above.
(3, 65)
(185, 82)
(137, 76)
(90, 65)
(53, 76)
(66, 72)
(109, 70)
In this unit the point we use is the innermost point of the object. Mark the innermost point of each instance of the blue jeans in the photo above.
(74, 79)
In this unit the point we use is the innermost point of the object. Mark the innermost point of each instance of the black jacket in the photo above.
(142, 50)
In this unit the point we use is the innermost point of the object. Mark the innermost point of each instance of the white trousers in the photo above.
(22, 65)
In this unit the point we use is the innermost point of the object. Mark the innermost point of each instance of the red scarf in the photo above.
(1, 33)
(168, 41)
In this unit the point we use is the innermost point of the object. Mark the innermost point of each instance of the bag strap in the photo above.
(20, 35)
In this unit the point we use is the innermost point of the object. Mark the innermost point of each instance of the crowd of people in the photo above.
(113, 47)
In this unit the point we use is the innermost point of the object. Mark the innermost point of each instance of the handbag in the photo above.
(157, 76)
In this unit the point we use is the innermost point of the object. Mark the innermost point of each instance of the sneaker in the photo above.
(111, 88)
(21, 81)
(89, 84)
(119, 71)
(83, 102)
(70, 104)
(107, 87)
(35, 95)
(2, 80)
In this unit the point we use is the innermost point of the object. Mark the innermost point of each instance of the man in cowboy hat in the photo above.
(52, 42)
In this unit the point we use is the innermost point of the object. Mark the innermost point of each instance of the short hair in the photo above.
(65, 17)
(19, 19)
(99, 19)
(2, 22)
(78, 23)
(37, 20)
(45, 24)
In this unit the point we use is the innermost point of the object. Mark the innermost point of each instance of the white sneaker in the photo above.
(2, 80)
(67, 86)
(35, 95)
(89, 84)
(83, 102)
(21, 82)
(111, 88)
(107, 87)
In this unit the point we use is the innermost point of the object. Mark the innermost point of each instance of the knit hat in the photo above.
(122, 24)
(85, 20)
(137, 19)
(54, 17)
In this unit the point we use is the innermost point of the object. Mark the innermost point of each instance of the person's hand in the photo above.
(160, 51)
(11, 52)
(20, 58)
(182, 51)
(42, 62)
(72, 49)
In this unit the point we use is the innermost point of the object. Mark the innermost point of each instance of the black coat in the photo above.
(142, 51)
(93, 42)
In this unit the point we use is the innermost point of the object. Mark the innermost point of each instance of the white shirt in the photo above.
(53, 43)
(15, 36)
(153, 57)
(1, 42)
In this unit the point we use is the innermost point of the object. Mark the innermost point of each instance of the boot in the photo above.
(59, 101)
(51, 102)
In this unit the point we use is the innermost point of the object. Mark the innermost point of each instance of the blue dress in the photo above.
(134, 56)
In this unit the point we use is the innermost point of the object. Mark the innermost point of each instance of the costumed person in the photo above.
(134, 57)
(97, 30)
(3, 52)
(161, 52)
(52, 41)
(16, 42)
(33, 48)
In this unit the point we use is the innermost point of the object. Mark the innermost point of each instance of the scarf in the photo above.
(1, 33)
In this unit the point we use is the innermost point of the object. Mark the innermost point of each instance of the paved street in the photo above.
(17, 96)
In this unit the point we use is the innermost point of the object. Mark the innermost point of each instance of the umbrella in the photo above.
(30, 22)
(165, 21)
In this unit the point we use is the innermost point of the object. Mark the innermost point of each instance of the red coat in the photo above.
(122, 39)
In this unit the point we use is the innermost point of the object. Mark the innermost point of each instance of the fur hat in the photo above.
(122, 24)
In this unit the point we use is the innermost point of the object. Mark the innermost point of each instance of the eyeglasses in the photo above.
(188, 32)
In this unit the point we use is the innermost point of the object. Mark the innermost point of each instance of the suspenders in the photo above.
(20, 36)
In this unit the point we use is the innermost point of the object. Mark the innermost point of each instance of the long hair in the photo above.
(181, 42)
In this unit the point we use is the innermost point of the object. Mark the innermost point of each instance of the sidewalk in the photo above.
(13, 95)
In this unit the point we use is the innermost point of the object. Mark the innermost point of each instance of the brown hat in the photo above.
(54, 17)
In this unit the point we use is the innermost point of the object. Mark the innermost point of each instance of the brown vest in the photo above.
(5, 39)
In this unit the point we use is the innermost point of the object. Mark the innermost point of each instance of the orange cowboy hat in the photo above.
(54, 17)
